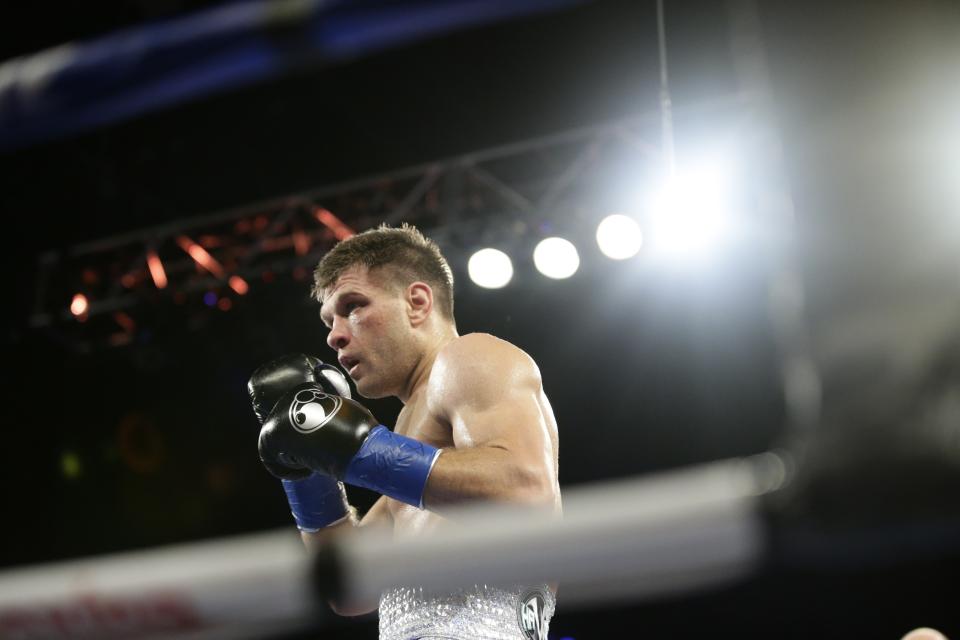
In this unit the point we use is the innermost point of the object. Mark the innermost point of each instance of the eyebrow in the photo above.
(339, 297)
(322, 319)
(321, 314)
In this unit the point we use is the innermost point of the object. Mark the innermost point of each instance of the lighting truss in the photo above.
(458, 201)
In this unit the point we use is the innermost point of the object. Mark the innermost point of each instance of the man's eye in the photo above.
(351, 306)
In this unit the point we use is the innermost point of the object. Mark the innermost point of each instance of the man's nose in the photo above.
(338, 338)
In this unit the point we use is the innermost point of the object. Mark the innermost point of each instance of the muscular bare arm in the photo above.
(377, 516)
(491, 394)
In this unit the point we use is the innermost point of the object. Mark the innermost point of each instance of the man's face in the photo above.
(368, 331)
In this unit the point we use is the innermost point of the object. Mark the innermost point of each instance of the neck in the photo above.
(421, 371)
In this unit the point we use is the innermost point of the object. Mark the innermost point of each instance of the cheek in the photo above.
(355, 324)
(386, 337)
(370, 330)
(362, 323)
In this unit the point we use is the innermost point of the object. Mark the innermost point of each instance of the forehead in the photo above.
(353, 280)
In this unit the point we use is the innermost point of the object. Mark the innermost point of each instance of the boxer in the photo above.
(475, 426)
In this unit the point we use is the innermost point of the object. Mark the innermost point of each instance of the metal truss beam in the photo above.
(229, 252)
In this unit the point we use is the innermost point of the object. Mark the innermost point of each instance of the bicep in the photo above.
(500, 407)
(513, 421)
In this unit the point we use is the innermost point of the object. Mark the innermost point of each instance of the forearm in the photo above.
(320, 509)
(487, 473)
(318, 540)
(314, 541)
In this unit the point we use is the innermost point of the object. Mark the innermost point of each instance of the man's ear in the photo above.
(419, 302)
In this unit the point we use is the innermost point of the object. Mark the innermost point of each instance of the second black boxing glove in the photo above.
(275, 378)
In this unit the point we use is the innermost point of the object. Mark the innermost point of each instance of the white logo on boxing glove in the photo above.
(311, 409)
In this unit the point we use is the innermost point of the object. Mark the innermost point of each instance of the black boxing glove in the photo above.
(311, 430)
(317, 500)
(275, 378)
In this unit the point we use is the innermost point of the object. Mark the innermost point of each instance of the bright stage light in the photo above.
(691, 214)
(79, 304)
(556, 258)
(490, 268)
(619, 237)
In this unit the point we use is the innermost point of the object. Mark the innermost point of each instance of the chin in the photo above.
(369, 391)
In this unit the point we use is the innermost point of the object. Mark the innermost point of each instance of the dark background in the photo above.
(645, 371)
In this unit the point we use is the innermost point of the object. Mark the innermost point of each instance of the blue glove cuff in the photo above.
(316, 501)
(392, 465)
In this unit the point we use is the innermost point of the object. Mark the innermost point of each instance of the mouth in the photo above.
(349, 364)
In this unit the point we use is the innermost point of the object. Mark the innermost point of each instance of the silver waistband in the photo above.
(478, 613)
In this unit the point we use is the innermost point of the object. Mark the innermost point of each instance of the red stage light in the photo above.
(238, 284)
(332, 222)
(200, 256)
(157, 271)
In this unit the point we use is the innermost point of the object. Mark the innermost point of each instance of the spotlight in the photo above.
(556, 258)
(619, 237)
(79, 304)
(490, 268)
(691, 214)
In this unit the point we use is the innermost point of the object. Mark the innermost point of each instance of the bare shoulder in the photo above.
(483, 351)
(478, 362)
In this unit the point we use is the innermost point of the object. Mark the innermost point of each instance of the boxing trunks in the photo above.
(478, 613)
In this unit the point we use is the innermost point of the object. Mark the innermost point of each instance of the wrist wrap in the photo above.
(392, 465)
(316, 501)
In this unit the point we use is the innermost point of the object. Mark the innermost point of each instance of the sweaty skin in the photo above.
(478, 398)
(484, 405)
